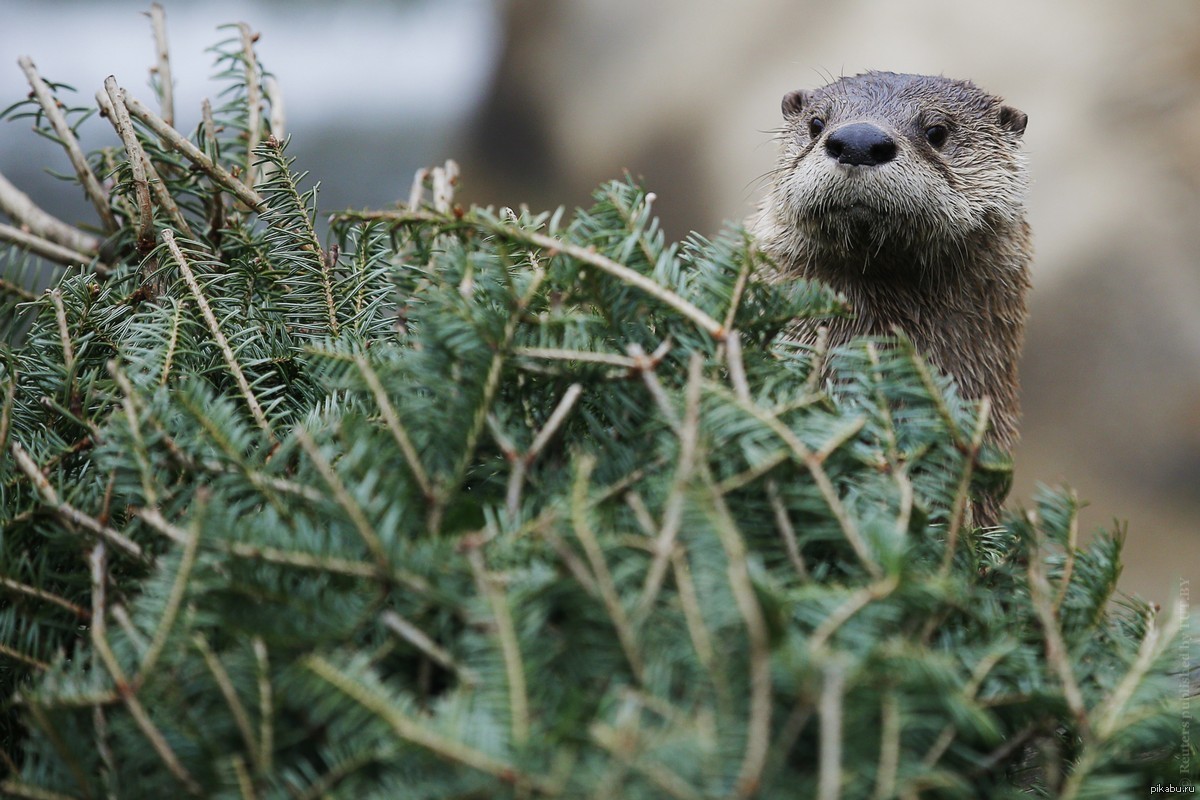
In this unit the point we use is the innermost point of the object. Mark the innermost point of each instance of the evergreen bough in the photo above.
(466, 503)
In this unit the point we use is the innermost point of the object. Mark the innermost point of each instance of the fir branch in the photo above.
(831, 710)
(410, 730)
(392, 420)
(60, 316)
(266, 704)
(1057, 655)
(128, 694)
(758, 725)
(603, 578)
(41, 594)
(62, 129)
(962, 496)
(421, 640)
(664, 545)
(506, 634)
(178, 589)
(65, 510)
(24, 658)
(815, 468)
(206, 311)
(240, 716)
(342, 496)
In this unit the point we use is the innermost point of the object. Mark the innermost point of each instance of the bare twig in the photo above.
(158, 21)
(833, 687)
(32, 219)
(47, 249)
(158, 189)
(192, 153)
(137, 164)
(278, 117)
(253, 100)
(58, 121)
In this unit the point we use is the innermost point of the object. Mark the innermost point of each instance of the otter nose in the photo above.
(861, 144)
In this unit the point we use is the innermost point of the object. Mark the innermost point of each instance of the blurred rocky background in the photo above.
(542, 100)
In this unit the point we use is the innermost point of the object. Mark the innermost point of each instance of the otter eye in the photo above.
(936, 135)
(815, 126)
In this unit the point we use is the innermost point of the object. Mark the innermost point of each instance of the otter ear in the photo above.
(793, 102)
(1013, 120)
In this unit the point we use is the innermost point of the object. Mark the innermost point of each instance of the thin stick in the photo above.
(58, 121)
(64, 334)
(158, 21)
(133, 149)
(32, 219)
(206, 311)
(253, 101)
(158, 189)
(47, 249)
(192, 153)
(829, 777)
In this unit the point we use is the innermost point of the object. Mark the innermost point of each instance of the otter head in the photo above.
(897, 168)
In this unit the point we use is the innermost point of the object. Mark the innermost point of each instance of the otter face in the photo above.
(907, 163)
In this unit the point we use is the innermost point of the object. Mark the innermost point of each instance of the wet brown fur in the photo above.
(933, 242)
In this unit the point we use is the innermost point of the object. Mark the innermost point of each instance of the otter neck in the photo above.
(961, 304)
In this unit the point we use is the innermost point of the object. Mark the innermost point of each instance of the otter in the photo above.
(905, 193)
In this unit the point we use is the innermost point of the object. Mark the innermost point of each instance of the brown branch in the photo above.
(47, 249)
(32, 219)
(192, 153)
(137, 164)
(58, 121)
(253, 100)
(158, 21)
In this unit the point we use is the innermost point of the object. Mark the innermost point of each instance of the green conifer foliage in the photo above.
(466, 503)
